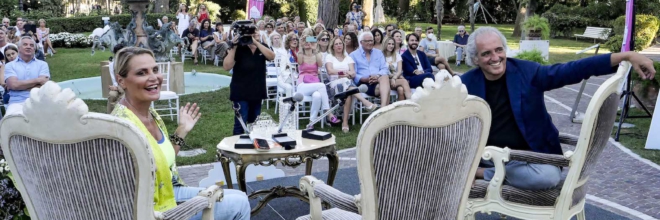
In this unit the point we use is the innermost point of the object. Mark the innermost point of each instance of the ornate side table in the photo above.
(305, 152)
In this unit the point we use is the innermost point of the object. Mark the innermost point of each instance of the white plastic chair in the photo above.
(167, 95)
(271, 86)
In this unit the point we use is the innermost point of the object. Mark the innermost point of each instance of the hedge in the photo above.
(646, 27)
(89, 23)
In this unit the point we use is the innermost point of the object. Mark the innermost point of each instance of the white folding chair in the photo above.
(171, 109)
(271, 86)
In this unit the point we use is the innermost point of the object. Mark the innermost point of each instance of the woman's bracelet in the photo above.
(176, 140)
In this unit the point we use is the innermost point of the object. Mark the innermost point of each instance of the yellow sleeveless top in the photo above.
(164, 190)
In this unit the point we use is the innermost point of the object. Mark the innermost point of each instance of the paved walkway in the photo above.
(621, 182)
(652, 52)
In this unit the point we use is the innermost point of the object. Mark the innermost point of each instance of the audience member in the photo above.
(506, 83)
(318, 28)
(460, 40)
(24, 74)
(416, 66)
(11, 53)
(11, 36)
(356, 14)
(418, 31)
(378, 38)
(191, 35)
(342, 67)
(393, 59)
(206, 35)
(300, 29)
(220, 40)
(388, 30)
(350, 42)
(202, 13)
(291, 45)
(309, 83)
(42, 35)
(429, 45)
(371, 69)
(397, 35)
(184, 19)
(4, 42)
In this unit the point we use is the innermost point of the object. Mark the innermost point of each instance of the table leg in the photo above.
(308, 166)
(275, 192)
(240, 176)
(225, 169)
(333, 166)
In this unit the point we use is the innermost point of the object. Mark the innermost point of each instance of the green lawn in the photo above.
(635, 138)
(217, 120)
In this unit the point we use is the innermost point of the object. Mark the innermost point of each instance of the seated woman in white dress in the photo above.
(309, 82)
(341, 66)
(284, 78)
(393, 59)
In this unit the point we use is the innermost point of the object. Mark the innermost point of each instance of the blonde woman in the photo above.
(309, 82)
(393, 59)
(341, 66)
(42, 34)
(322, 45)
(202, 13)
(318, 28)
(138, 75)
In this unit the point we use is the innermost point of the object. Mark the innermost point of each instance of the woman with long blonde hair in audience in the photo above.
(42, 34)
(322, 45)
(138, 75)
(394, 63)
(350, 42)
(309, 82)
(318, 28)
(340, 65)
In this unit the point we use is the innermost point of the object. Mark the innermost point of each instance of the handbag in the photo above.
(311, 79)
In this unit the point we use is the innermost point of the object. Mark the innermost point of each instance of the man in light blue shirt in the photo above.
(23, 74)
(371, 68)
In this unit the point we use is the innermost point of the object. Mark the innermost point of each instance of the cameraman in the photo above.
(248, 82)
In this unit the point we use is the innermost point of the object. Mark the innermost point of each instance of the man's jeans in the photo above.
(459, 54)
(523, 175)
(234, 204)
(249, 112)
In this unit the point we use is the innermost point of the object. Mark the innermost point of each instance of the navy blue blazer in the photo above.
(409, 65)
(526, 83)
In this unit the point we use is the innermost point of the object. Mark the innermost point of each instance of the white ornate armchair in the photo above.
(568, 198)
(72, 164)
(416, 158)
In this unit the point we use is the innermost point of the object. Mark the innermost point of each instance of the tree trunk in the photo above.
(531, 8)
(165, 6)
(328, 11)
(584, 3)
(404, 5)
(368, 8)
(472, 14)
(439, 10)
(517, 30)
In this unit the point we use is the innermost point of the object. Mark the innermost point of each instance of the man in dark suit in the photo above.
(514, 90)
(416, 66)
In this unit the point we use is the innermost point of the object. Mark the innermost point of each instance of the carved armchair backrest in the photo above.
(71, 164)
(417, 159)
(594, 134)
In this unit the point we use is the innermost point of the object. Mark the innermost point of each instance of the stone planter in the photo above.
(534, 35)
(648, 96)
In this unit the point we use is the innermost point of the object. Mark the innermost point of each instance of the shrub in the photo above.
(11, 203)
(614, 43)
(646, 83)
(65, 39)
(89, 23)
(532, 55)
(309, 11)
(238, 15)
(646, 27)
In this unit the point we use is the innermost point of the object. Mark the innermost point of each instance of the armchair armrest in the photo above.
(204, 201)
(540, 158)
(318, 191)
(568, 139)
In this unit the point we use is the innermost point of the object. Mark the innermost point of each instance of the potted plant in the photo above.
(537, 28)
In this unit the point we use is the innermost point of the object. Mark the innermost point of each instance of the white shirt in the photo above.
(393, 61)
(344, 65)
(184, 22)
(419, 62)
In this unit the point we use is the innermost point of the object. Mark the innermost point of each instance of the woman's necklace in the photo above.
(149, 119)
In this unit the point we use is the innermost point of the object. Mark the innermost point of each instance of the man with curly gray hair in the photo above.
(514, 91)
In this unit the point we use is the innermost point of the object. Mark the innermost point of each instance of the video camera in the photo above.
(245, 30)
